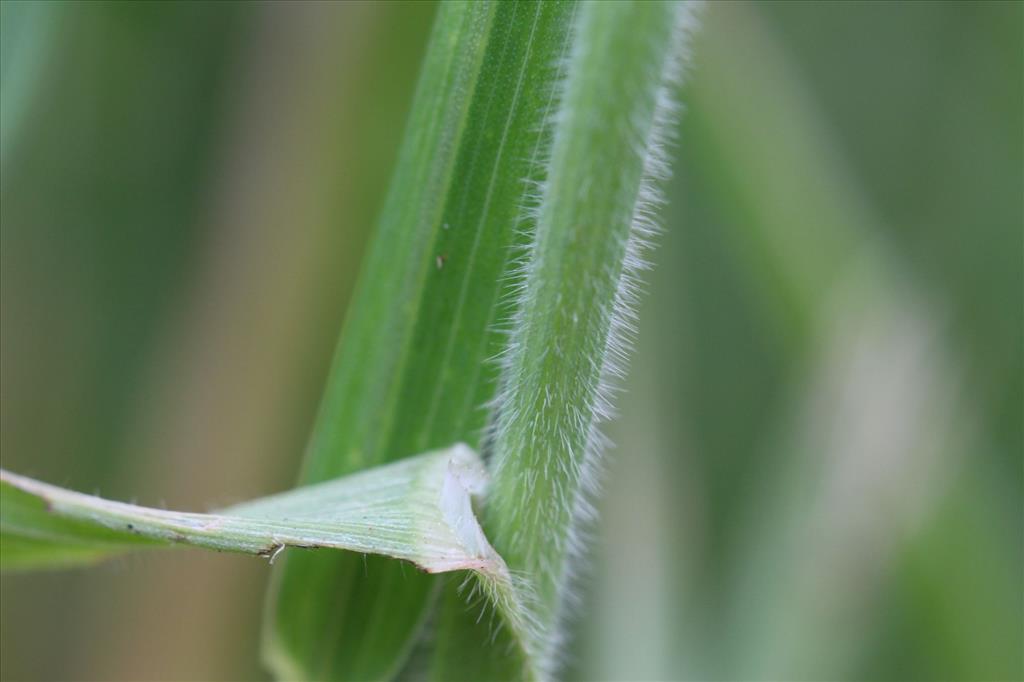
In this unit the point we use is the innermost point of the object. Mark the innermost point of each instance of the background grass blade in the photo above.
(27, 32)
(877, 339)
(417, 510)
(412, 369)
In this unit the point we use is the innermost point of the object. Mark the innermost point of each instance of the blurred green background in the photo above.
(818, 471)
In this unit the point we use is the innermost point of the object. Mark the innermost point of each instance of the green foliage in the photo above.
(413, 369)
(417, 509)
(819, 456)
(25, 32)
(457, 275)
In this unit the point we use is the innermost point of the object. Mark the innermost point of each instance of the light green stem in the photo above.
(569, 334)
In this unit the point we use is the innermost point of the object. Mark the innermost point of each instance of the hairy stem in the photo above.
(570, 332)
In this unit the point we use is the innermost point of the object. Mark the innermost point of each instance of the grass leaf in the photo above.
(575, 288)
(417, 510)
(513, 227)
(413, 369)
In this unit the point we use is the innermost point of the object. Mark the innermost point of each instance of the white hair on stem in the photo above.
(623, 326)
(607, 339)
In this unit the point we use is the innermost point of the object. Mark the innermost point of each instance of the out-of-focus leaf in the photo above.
(27, 30)
(880, 424)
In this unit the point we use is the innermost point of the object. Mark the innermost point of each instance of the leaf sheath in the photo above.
(578, 286)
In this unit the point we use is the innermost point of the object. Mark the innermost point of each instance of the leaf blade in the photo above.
(412, 370)
(417, 510)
